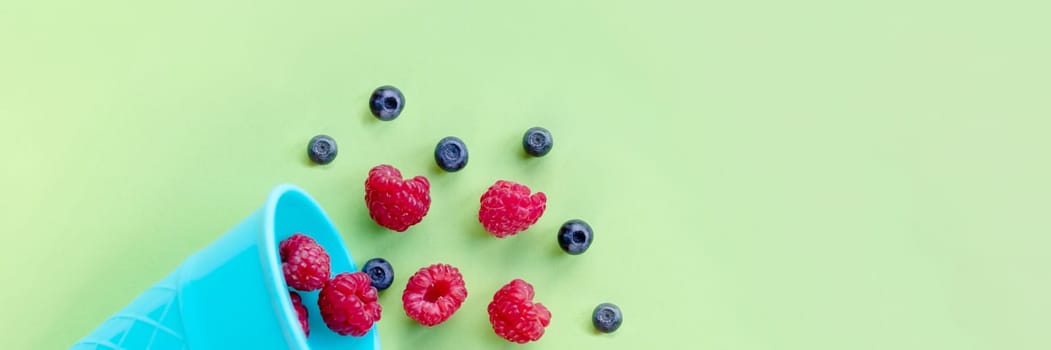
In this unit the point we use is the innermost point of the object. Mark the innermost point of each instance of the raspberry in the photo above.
(395, 203)
(301, 311)
(514, 315)
(433, 294)
(507, 208)
(349, 304)
(305, 263)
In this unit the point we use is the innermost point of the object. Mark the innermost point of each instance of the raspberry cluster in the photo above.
(348, 302)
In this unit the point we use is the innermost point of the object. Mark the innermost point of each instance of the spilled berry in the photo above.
(386, 103)
(380, 272)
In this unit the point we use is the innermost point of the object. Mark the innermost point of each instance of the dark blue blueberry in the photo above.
(575, 236)
(451, 154)
(537, 141)
(322, 149)
(607, 318)
(386, 102)
(380, 271)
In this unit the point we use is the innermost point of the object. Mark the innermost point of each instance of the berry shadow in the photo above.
(378, 247)
(366, 114)
(373, 124)
(515, 141)
(299, 150)
(435, 171)
(480, 241)
(533, 166)
(408, 322)
(422, 337)
(595, 331)
(555, 251)
(546, 248)
(476, 231)
(494, 341)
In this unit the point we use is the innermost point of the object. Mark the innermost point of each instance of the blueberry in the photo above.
(380, 271)
(322, 149)
(386, 102)
(451, 154)
(607, 317)
(575, 236)
(537, 141)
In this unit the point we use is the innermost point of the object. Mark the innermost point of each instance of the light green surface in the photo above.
(761, 175)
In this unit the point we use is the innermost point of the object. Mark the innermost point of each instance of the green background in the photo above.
(760, 174)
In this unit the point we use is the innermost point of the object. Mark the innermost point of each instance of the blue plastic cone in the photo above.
(232, 293)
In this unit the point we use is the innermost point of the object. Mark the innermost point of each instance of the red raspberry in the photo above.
(305, 263)
(395, 203)
(514, 315)
(507, 208)
(301, 311)
(433, 294)
(349, 304)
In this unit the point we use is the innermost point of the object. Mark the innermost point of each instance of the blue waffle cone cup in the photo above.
(232, 294)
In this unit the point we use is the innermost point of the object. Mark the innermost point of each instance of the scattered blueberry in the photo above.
(607, 317)
(380, 271)
(575, 236)
(322, 149)
(537, 141)
(451, 154)
(386, 102)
